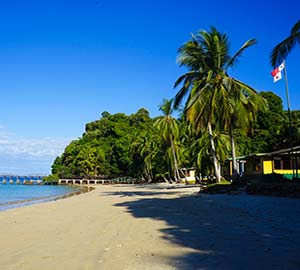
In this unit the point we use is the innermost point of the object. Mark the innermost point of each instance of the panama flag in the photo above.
(276, 73)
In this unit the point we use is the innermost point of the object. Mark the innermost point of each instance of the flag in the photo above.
(276, 73)
(281, 67)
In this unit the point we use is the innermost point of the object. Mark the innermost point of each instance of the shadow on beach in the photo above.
(150, 190)
(224, 231)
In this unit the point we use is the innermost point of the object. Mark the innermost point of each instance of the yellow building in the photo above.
(189, 176)
(285, 161)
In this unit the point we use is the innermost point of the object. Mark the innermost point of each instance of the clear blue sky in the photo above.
(63, 62)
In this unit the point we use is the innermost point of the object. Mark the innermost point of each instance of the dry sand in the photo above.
(152, 227)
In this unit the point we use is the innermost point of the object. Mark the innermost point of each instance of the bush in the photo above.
(274, 185)
(51, 178)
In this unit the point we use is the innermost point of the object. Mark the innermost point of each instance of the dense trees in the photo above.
(107, 148)
(121, 145)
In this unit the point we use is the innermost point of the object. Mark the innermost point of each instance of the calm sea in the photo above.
(12, 196)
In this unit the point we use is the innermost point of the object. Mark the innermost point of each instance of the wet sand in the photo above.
(152, 227)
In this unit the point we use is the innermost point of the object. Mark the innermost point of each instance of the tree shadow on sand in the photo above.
(149, 190)
(226, 232)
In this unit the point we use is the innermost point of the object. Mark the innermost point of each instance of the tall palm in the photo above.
(243, 114)
(282, 50)
(211, 91)
(148, 150)
(169, 131)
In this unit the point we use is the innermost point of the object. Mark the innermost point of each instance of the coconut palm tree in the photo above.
(212, 93)
(90, 160)
(147, 148)
(169, 131)
(241, 117)
(283, 49)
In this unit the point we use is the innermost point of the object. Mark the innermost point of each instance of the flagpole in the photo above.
(290, 118)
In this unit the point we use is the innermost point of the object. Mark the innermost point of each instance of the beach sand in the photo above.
(152, 227)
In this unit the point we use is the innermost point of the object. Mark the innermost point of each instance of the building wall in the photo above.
(267, 166)
(254, 166)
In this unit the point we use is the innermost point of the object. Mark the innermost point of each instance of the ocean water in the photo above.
(12, 195)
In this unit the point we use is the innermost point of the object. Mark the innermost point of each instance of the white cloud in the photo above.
(33, 148)
(28, 154)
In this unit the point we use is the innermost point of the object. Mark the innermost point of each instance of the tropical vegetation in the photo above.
(216, 101)
(222, 118)
(138, 146)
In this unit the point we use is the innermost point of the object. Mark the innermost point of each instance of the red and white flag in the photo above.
(276, 73)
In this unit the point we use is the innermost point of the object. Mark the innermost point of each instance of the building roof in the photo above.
(294, 150)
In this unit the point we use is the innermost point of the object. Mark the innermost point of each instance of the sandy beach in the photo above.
(152, 227)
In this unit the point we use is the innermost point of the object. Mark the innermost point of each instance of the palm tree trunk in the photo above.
(166, 180)
(151, 171)
(170, 178)
(149, 175)
(184, 175)
(235, 172)
(213, 150)
(176, 172)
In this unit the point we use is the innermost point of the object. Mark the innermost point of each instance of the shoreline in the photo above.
(152, 227)
(26, 202)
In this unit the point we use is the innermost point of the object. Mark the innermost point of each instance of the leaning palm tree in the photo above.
(282, 50)
(211, 91)
(169, 131)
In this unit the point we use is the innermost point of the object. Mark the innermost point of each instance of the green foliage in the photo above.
(108, 148)
(168, 129)
(51, 178)
(220, 113)
(270, 131)
(216, 102)
(121, 145)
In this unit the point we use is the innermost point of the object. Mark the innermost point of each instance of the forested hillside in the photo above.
(135, 145)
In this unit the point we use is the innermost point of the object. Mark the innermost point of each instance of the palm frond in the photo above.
(166, 107)
(244, 86)
(233, 60)
(181, 94)
(187, 79)
(196, 93)
(283, 49)
(295, 29)
(190, 55)
(180, 80)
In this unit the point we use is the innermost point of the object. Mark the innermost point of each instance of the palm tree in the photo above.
(147, 148)
(169, 131)
(222, 144)
(242, 116)
(282, 50)
(90, 161)
(212, 93)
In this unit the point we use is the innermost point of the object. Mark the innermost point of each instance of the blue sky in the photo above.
(64, 62)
